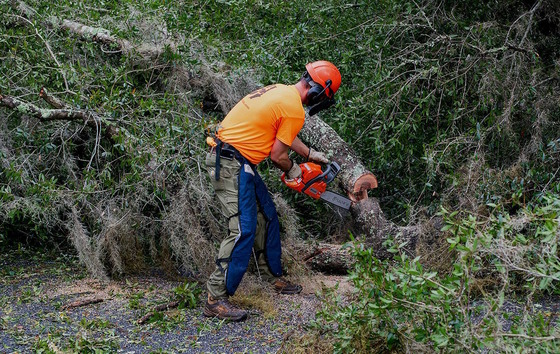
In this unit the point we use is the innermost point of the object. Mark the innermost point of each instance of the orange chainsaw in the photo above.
(314, 180)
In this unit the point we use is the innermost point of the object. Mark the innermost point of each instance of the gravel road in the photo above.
(34, 295)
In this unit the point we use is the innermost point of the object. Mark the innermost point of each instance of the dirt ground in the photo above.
(36, 314)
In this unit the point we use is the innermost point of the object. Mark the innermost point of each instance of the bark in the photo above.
(370, 221)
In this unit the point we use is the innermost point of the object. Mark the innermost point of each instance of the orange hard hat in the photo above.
(321, 72)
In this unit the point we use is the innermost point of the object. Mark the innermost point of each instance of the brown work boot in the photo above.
(283, 286)
(223, 309)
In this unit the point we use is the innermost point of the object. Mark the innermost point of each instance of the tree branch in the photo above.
(103, 36)
(50, 99)
(49, 114)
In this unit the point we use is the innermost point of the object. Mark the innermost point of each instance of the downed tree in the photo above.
(356, 180)
(354, 177)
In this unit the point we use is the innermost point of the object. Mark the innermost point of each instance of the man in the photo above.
(265, 122)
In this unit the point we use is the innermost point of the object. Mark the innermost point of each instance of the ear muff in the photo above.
(317, 93)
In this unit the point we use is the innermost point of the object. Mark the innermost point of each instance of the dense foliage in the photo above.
(453, 105)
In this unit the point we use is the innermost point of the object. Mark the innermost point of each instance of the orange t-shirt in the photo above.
(252, 126)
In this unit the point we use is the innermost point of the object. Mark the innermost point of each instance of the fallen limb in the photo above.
(68, 114)
(101, 35)
(163, 307)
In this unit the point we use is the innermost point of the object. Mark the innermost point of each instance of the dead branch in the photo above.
(80, 303)
(158, 308)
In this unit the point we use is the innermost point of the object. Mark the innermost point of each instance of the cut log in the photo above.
(330, 259)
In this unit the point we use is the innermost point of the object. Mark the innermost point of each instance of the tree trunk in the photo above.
(356, 180)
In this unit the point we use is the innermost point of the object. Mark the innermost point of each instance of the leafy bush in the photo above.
(494, 298)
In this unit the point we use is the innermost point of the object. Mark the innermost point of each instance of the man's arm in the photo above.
(300, 148)
(279, 155)
(308, 153)
(280, 158)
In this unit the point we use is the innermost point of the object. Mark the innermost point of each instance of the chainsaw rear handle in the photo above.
(313, 181)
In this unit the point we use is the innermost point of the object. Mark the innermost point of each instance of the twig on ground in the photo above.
(158, 308)
(80, 303)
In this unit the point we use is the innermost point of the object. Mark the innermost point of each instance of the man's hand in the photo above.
(294, 172)
(317, 156)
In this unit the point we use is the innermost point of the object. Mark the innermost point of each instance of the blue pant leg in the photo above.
(273, 248)
(243, 246)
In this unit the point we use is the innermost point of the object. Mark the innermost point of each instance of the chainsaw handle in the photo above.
(295, 183)
(327, 176)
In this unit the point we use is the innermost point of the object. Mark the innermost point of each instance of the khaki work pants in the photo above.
(226, 189)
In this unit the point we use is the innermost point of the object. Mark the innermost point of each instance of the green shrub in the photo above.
(400, 305)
